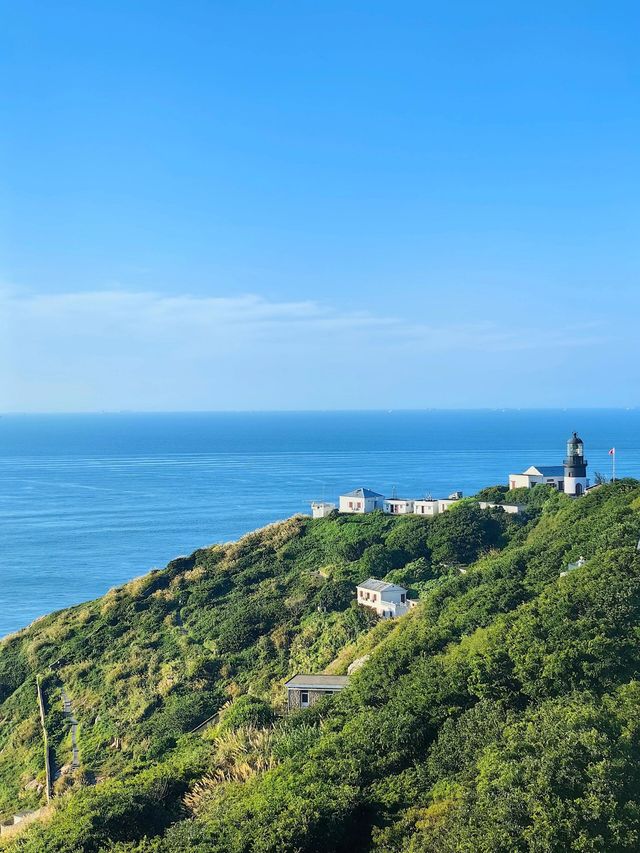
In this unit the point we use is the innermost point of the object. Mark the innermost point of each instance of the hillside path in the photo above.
(67, 708)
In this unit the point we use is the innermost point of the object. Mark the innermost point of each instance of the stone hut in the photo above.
(305, 690)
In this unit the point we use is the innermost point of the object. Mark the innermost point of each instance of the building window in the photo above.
(402, 597)
(304, 698)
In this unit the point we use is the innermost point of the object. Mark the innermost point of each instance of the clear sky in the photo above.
(283, 205)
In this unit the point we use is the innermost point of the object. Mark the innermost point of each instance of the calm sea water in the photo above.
(89, 501)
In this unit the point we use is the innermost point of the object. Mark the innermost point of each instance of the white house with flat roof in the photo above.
(387, 599)
(433, 506)
(510, 509)
(361, 500)
(398, 506)
(446, 503)
(426, 506)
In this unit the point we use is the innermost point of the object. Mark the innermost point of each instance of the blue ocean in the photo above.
(89, 501)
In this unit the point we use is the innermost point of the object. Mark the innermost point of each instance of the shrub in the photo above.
(246, 711)
(336, 595)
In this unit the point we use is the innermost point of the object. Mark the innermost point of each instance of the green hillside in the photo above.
(501, 714)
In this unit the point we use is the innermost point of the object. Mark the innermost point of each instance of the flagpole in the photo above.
(613, 465)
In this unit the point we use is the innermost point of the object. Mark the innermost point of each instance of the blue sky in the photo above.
(259, 205)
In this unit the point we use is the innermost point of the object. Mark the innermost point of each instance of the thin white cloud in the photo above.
(122, 349)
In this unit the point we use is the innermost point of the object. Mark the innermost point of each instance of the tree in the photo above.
(335, 595)
(462, 533)
(378, 560)
(411, 536)
(493, 494)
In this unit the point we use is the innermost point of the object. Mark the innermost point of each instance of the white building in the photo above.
(361, 500)
(398, 506)
(387, 599)
(445, 503)
(428, 506)
(511, 509)
(321, 509)
(432, 506)
(552, 475)
(573, 566)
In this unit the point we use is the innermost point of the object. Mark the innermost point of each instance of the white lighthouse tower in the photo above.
(575, 467)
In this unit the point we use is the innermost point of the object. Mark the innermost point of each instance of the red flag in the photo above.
(612, 452)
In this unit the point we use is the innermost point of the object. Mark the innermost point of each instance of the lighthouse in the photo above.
(575, 467)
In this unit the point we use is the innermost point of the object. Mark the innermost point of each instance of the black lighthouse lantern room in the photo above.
(575, 464)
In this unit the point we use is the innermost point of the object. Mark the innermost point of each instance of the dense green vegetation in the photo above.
(502, 714)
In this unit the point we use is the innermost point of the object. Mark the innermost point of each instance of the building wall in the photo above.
(386, 604)
(395, 595)
(352, 504)
(523, 481)
(571, 485)
(294, 697)
(321, 509)
(511, 509)
(425, 507)
(556, 482)
(444, 505)
(519, 481)
(360, 505)
(398, 507)
(388, 609)
(367, 597)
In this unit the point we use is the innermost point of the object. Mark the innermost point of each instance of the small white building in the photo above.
(398, 506)
(573, 566)
(511, 509)
(433, 506)
(428, 507)
(361, 500)
(387, 599)
(446, 503)
(321, 509)
(303, 691)
(552, 475)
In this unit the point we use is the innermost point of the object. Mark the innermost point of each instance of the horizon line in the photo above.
(383, 410)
